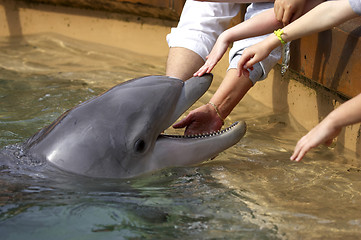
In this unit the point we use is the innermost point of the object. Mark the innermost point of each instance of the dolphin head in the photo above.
(119, 133)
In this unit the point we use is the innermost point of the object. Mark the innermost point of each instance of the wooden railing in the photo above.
(164, 9)
(331, 58)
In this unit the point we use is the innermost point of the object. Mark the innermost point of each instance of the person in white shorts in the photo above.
(190, 43)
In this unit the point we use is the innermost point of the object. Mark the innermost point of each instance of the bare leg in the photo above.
(182, 63)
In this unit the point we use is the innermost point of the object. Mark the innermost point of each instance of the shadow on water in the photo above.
(250, 191)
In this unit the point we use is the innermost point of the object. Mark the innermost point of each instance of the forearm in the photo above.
(322, 17)
(266, 22)
(260, 24)
(347, 114)
(230, 92)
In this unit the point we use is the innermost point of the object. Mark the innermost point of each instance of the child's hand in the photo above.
(213, 58)
(323, 133)
(251, 56)
(255, 54)
(287, 11)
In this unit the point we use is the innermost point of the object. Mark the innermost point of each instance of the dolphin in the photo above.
(118, 134)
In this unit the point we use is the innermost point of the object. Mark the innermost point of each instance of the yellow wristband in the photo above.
(279, 33)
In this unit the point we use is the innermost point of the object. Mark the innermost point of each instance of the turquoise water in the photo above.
(250, 191)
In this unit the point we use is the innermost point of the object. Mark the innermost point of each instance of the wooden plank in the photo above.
(170, 9)
(331, 58)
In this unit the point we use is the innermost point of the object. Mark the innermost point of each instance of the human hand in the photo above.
(251, 56)
(323, 133)
(201, 120)
(218, 50)
(287, 11)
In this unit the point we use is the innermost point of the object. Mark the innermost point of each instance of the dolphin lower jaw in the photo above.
(177, 150)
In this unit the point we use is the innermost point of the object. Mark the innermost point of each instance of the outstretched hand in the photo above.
(213, 58)
(201, 120)
(323, 133)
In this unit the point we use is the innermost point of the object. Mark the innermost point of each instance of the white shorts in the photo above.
(202, 22)
(200, 25)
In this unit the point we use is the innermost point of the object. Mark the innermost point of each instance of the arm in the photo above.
(260, 24)
(323, 17)
(346, 114)
(320, 18)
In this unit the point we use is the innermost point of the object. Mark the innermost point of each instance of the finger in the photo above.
(297, 149)
(293, 157)
(189, 132)
(247, 61)
(184, 122)
(304, 147)
(249, 64)
(242, 61)
(301, 154)
(276, 7)
(243, 71)
(279, 14)
(201, 71)
(239, 69)
(239, 72)
(295, 153)
(296, 15)
(208, 66)
(286, 17)
(198, 71)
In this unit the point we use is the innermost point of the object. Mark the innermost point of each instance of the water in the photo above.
(250, 191)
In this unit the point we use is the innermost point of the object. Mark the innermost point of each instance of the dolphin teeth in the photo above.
(204, 135)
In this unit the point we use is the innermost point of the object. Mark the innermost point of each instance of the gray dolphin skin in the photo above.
(119, 133)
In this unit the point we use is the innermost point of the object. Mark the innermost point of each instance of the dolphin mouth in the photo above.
(183, 150)
(202, 135)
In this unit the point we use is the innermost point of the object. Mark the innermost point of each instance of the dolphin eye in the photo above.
(139, 146)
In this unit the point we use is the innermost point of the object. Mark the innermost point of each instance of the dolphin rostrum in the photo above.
(119, 133)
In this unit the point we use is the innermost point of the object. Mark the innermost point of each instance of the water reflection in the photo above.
(251, 191)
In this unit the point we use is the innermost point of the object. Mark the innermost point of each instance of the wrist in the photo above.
(278, 33)
(272, 42)
(215, 110)
(227, 37)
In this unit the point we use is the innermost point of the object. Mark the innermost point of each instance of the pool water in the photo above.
(250, 191)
